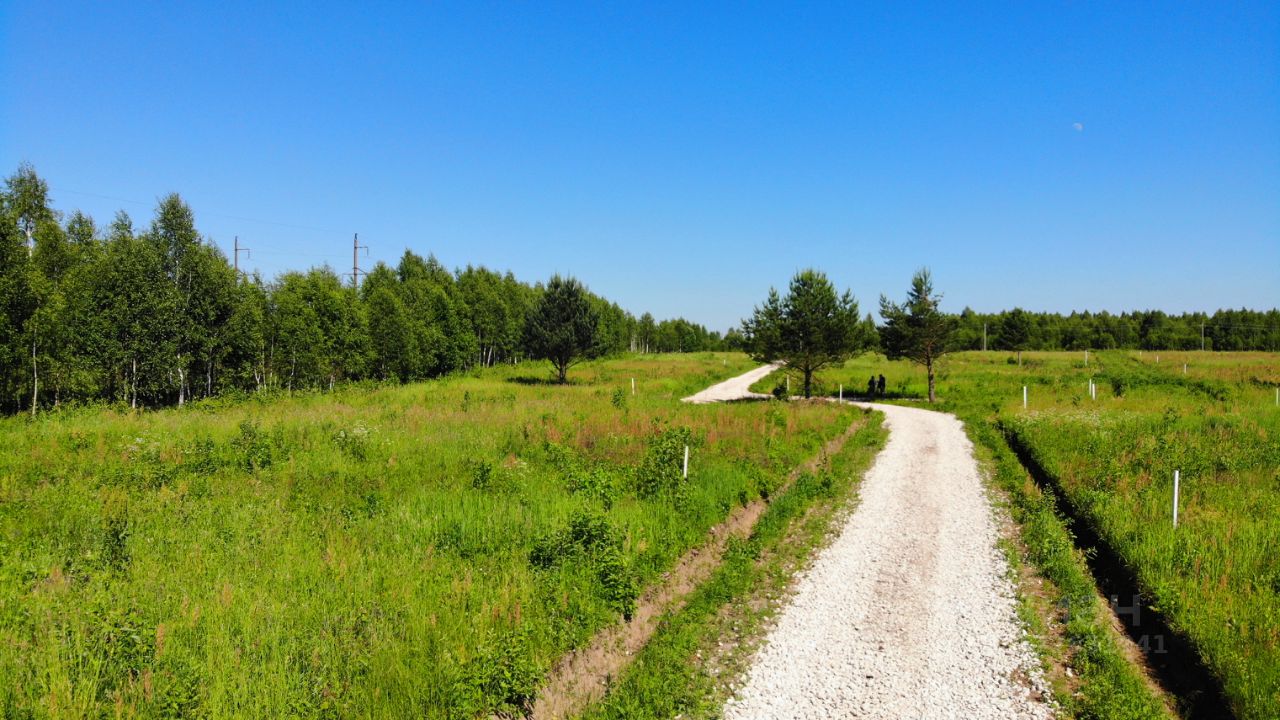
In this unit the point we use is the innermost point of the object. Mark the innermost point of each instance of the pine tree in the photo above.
(563, 326)
(809, 329)
(917, 330)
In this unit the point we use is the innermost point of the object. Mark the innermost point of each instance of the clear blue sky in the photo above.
(682, 160)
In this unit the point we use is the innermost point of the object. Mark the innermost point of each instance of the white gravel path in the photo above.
(737, 388)
(908, 613)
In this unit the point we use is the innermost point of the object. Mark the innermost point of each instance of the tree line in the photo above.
(1019, 329)
(813, 327)
(157, 315)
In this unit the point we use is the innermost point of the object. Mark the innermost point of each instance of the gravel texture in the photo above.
(737, 388)
(909, 612)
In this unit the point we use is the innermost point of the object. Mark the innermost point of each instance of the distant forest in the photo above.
(1141, 330)
(157, 315)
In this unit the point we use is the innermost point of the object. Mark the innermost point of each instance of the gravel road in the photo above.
(734, 388)
(908, 613)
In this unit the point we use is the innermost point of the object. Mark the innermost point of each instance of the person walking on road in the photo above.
(880, 386)
(871, 387)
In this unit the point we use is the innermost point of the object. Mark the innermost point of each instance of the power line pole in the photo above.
(356, 247)
(1201, 336)
(239, 250)
(984, 337)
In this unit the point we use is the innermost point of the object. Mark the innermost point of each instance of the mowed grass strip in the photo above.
(426, 550)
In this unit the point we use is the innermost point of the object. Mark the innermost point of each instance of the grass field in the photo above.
(426, 550)
(1217, 577)
(685, 670)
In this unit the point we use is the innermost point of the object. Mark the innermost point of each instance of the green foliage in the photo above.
(1118, 474)
(1015, 330)
(236, 558)
(504, 676)
(115, 536)
(482, 475)
(254, 449)
(591, 539)
(1124, 377)
(1113, 458)
(811, 328)
(661, 472)
(1110, 686)
(1232, 330)
(669, 677)
(159, 316)
(563, 326)
(597, 483)
(917, 330)
(354, 441)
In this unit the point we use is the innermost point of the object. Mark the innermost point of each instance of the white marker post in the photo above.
(1184, 368)
(1024, 397)
(788, 384)
(1176, 473)
(1157, 359)
(633, 386)
(686, 463)
(1278, 397)
(842, 392)
(1086, 358)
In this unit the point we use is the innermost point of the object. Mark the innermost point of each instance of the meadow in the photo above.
(1211, 416)
(424, 550)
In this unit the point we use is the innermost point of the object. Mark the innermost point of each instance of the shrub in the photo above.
(145, 468)
(597, 483)
(560, 457)
(505, 674)
(482, 475)
(115, 535)
(201, 456)
(255, 449)
(354, 442)
(591, 539)
(661, 471)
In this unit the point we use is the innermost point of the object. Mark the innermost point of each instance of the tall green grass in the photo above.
(671, 677)
(425, 550)
(1217, 577)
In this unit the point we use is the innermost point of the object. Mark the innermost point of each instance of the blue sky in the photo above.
(683, 158)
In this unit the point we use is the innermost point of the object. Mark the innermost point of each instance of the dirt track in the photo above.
(737, 388)
(908, 613)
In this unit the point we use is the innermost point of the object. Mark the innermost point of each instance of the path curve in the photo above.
(909, 613)
(735, 388)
